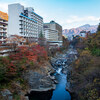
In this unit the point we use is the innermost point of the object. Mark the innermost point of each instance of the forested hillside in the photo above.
(85, 77)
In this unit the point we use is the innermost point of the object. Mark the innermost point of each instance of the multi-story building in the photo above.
(24, 21)
(82, 34)
(53, 32)
(3, 26)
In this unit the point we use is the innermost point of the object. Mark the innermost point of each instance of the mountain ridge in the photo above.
(76, 31)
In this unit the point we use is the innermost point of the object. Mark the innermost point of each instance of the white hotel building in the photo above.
(53, 33)
(24, 21)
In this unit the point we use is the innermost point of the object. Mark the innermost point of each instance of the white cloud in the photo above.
(4, 7)
(74, 19)
(66, 21)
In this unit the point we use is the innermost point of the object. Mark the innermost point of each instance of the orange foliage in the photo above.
(34, 54)
(3, 15)
(16, 39)
(77, 62)
(85, 52)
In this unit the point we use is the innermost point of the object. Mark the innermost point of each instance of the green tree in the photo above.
(98, 29)
(41, 39)
(41, 35)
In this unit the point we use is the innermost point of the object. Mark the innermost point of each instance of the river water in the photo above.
(60, 92)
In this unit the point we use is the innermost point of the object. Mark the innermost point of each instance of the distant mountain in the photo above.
(76, 31)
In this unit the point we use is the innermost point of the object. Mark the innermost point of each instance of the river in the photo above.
(60, 92)
(60, 63)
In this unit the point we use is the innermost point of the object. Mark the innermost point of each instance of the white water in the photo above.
(60, 92)
(59, 70)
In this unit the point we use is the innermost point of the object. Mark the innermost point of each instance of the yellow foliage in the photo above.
(32, 44)
(85, 52)
(77, 62)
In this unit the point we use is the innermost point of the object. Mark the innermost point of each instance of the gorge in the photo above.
(61, 64)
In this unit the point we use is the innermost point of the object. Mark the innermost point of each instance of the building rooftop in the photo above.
(53, 22)
(28, 18)
(37, 14)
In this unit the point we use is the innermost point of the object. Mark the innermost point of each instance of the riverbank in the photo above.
(25, 71)
(31, 80)
(42, 79)
(61, 65)
(85, 77)
(85, 73)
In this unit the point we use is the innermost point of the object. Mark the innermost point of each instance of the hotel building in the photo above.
(53, 33)
(24, 21)
(3, 26)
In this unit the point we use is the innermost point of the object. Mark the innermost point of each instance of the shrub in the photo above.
(96, 51)
(24, 58)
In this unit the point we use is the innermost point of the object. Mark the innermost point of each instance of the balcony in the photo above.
(21, 23)
(21, 28)
(1, 35)
(3, 39)
(3, 23)
(3, 31)
(21, 18)
(3, 27)
(21, 31)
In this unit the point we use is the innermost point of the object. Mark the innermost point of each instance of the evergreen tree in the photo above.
(41, 35)
(41, 39)
(98, 29)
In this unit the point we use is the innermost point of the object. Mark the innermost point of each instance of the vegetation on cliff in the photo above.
(86, 69)
(17, 63)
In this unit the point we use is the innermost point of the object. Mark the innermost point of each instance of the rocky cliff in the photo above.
(87, 27)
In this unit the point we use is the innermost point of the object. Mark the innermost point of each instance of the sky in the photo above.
(68, 13)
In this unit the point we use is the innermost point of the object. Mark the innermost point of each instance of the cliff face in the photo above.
(85, 78)
(40, 79)
(32, 80)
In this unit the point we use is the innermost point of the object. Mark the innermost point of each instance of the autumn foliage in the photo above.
(4, 15)
(85, 76)
(24, 57)
(34, 53)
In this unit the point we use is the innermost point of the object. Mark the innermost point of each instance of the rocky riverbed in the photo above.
(64, 59)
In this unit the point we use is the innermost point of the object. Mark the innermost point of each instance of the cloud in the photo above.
(74, 19)
(4, 7)
(66, 21)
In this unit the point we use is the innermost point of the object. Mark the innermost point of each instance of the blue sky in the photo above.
(68, 13)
